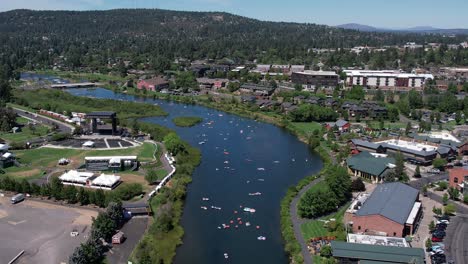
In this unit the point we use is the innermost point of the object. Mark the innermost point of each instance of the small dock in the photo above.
(75, 85)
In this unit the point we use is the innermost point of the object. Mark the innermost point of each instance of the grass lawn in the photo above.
(186, 121)
(35, 161)
(376, 124)
(26, 133)
(161, 173)
(306, 128)
(315, 228)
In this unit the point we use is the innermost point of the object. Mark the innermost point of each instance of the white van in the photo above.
(17, 198)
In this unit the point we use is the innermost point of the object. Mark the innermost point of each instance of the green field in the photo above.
(306, 128)
(26, 132)
(186, 121)
(36, 161)
(316, 228)
(161, 173)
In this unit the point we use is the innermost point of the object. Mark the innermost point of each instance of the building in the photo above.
(257, 90)
(114, 163)
(417, 152)
(393, 209)
(97, 126)
(209, 83)
(7, 159)
(354, 253)
(342, 125)
(377, 240)
(458, 178)
(371, 166)
(312, 79)
(155, 84)
(387, 79)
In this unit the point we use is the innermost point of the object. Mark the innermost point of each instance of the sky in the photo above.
(378, 13)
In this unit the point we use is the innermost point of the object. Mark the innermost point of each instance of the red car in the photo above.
(437, 239)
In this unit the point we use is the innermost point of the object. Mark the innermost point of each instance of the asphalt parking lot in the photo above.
(42, 230)
(457, 245)
(133, 230)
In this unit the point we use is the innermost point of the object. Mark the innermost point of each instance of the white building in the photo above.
(387, 79)
(89, 180)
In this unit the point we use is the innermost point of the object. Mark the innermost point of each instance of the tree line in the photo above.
(70, 193)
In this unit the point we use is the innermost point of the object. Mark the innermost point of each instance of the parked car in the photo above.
(434, 171)
(443, 221)
(17, 198)
(438, 258)
(437, 251)
(439, 233)
(436, 239)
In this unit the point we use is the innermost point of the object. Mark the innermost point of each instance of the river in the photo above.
(239, 156)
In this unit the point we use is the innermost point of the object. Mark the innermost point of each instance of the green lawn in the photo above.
(390, 125)
(306, 128)
(315, 228)
(161, 173)
(35, 161)
(26, 132)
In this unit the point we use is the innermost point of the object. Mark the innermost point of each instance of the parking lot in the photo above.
(98, 143)
(42, 230)
(457, 246)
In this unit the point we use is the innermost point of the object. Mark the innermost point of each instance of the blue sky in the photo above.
(394, 14)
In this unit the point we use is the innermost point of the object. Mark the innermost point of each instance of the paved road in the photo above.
(297, 221)
(457, 245)
(456, 241)
(62, 127)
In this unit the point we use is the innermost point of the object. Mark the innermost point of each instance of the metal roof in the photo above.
(367, 163)
(101, 114)
(377, 253)
(393, 200)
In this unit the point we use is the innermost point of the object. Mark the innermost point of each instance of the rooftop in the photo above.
(399, 143)
(322, 73)
(101, 114)
(394, 201)
(378, 253)
(368, 163)
(377, 240)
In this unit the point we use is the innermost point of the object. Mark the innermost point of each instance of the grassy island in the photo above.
(186, 121)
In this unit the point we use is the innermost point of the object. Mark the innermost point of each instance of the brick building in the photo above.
(458, 177)
(393, 209)
(154, 84)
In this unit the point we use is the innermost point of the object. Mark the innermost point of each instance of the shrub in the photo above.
(357, 185)
(449, 209)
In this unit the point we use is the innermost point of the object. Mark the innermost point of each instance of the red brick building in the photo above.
(458, 177)
(154, 84)
(393, 209)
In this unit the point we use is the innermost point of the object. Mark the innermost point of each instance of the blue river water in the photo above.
(239, 156)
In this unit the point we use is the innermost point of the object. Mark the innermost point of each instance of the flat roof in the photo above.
(76, 176)
(377, 240)
(446, 135)
(414, 213)
(408, 145)
(111, 157)
(324, 73)
(378, 253)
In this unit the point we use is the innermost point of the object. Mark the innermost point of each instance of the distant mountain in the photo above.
(417, 29)
(360, 27)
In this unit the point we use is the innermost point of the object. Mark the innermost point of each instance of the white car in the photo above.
(443, 222)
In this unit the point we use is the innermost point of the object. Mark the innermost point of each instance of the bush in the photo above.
(450, 209)
(326, 251)
(60, 136)
(151, 176)
(442, 186)
(439, 163)
(453, 193)
(357, 185)
(465, 198)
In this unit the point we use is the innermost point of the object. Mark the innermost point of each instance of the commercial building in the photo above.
(393, 209)
(209, 83)
(458, 178)
(371, 166)
(155, 84)
(420, 152)
(387, 79)
(114, 163)
(351, 253)
(312, 79)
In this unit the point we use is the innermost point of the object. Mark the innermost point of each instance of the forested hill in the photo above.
(40, 36)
